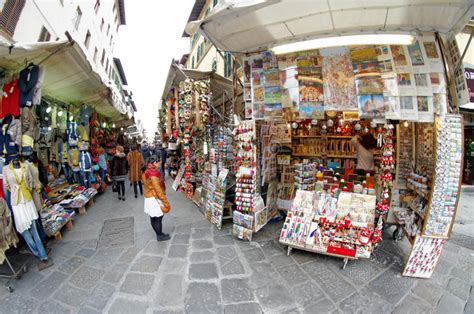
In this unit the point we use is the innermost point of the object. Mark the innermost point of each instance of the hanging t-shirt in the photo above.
(10, 99)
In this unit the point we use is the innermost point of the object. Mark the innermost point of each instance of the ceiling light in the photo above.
(71, 118)
(373, 39)
(104, 124)
(60, 113)
(113, 125)
(48, 110)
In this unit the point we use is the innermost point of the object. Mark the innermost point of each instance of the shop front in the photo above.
(348, 134)
(57, 119)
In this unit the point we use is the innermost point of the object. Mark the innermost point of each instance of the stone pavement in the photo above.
(205, 270)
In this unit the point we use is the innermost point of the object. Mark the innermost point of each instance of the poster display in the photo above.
(417, 57)
(396, 82)
(338, 77)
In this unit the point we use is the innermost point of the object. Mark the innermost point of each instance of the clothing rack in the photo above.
(16, 274)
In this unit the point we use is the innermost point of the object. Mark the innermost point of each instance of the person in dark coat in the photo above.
(119, 171)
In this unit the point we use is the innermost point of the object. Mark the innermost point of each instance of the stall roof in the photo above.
(240, 26)
(195, 12)
(219, 84)
(69, 77)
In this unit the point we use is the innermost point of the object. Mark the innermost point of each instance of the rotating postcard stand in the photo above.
(338, 226)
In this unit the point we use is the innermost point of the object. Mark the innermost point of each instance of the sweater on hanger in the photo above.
(27, 83)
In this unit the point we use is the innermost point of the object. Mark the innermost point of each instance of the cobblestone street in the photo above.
(205, 270)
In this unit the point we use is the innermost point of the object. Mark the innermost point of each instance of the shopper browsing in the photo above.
(135, 162)
(119, 170)
(156, 203)
(365, 146)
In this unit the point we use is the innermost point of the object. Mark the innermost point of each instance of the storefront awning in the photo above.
(220, 86)
(256, 25)
(69, 76)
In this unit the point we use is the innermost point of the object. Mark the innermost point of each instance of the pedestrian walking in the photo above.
(102, 164)
(135, 163)
(119, 170)
(156, 203)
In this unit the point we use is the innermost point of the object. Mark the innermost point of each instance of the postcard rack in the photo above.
(341, 226)
(428, 226)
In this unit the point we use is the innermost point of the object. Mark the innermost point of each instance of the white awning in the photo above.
(255, 25)
(69, 76)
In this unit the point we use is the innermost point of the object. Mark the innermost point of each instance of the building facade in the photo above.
(93, 25)
(203, 55)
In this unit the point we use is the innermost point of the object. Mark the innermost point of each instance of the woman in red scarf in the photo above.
(156, 203)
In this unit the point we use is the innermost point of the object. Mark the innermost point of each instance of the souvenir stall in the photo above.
(195, 129)
(334, 91)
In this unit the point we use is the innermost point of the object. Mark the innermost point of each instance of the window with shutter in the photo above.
(216, 2)
(10, 15)
(77, 19)
(102, 59)
(44, 35)
(97, 6)
(88, 39)
(96, 52)
(227, 64)
(192, 63)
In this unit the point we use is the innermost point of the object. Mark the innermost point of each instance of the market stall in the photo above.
(334, 94)
(195, 123)
(50, 140)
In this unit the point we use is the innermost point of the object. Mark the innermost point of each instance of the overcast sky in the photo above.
(146, 46)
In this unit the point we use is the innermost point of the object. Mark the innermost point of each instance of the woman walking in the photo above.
(135, 162)
(156, 203)
(119, 169)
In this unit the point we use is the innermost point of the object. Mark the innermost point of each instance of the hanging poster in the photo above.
(433, 54)
(364, 60)
(248, 110)
(258, 110)
(338, 80)
(371, 106)
(383, 52)
(247, 70)
(280, 132)
(286, 61)
(400, 59)
(269, 61)
(440, 104)
(392, 107)
(290, 91)
(369, 84)
(408, 108)
(311, 90)
(438, 84)
(311, 110)
(258, 94)
(417, 57)
(406, 84)
(271, 77)
(425, 108)
(272, 103)
(390, 85)
(247, 92)
(423, 84)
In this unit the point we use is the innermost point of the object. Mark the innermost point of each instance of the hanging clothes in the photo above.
(85, 114)
(85, 161)
(10, 99)
(37, 185)
(10, 137)
(8, 237)
(74, 159)
(27, 83)
(72, 133)
(30, 132)
(19, 183)
(38, 87)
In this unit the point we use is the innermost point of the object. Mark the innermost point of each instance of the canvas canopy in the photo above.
(69, 76)
(256, 25)
(220, 86)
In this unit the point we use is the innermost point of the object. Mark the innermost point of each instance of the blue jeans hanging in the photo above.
(33, 240)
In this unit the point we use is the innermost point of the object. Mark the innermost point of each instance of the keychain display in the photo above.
(385, 140)
(423, 257)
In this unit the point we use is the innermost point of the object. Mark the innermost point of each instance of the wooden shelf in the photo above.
(323, 136)
(325, 156)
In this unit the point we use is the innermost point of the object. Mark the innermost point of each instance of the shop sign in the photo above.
(469, 75)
